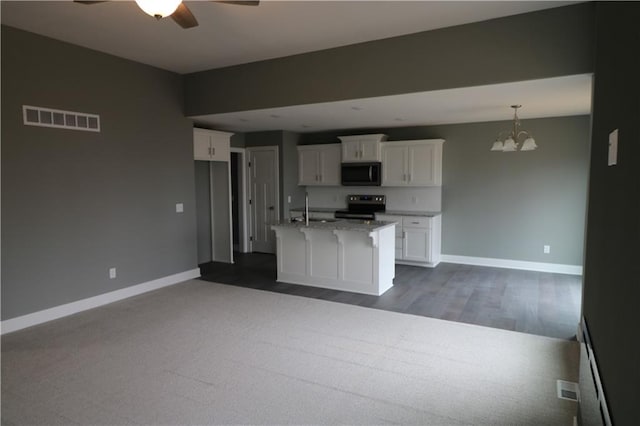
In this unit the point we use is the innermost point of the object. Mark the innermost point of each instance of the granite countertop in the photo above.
(339, 224)
(412, 213)
(423, 213)
(316, 209)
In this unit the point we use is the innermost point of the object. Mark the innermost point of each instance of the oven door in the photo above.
(361, 174)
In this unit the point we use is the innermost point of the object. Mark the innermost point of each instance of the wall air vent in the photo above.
(47, 117)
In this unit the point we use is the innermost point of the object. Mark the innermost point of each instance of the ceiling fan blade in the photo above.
(89, 2)
(184, 17)
(239, 2)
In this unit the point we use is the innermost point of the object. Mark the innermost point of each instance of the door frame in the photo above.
(277, 184)
(242, 202)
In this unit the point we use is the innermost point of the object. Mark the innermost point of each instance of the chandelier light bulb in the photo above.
(510, 145)
(529, 144)
(497, 146)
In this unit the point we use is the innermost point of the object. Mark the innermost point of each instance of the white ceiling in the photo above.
(232, 34)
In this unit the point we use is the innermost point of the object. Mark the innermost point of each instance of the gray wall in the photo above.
(508, 205)
(76, 203)
(203, 210)
(222, 241)
(611, 290)
(543, 44)
(289, 167)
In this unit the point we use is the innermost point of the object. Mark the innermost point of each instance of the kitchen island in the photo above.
(347, 255)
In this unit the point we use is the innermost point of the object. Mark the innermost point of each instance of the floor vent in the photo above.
(47, 117)
(567, 390)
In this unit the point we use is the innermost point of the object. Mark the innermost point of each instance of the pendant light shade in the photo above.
(497, 146)
(529, 144)
(510, 144)
(158, 8)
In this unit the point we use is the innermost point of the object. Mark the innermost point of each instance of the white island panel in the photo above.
(358, 260)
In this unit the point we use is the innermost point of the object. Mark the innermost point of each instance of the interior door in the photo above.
(263, 197)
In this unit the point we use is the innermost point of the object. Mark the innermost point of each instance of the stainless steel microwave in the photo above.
(362, 174)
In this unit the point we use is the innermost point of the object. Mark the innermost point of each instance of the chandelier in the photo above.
(508, 140)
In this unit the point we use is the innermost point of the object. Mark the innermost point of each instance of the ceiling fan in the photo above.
(178, 11)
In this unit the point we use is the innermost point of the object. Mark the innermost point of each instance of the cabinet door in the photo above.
(201, 146)
(417, 244)
(351, 151)
(308, 172)
(394, 164)
(369, 151)
(330, 165)
(422, 169)
(220, 149)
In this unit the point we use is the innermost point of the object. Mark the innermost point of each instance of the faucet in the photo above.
(306, 209)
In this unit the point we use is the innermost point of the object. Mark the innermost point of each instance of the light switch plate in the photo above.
(112, 273)
(613, 148)
(179, 207)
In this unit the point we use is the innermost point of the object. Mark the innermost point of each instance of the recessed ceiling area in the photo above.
(552, 97)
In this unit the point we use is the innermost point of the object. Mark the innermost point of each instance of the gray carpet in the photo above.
(205, 353)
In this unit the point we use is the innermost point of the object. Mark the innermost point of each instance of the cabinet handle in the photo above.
(209, 151)
(213, 151)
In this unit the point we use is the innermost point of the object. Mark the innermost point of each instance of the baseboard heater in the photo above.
(595, 375)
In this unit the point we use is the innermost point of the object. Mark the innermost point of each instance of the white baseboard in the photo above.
(513, 264)
(35, 318)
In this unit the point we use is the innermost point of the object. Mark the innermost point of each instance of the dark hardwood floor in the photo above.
(539, 303)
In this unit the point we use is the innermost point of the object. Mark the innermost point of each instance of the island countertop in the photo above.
(339, 224)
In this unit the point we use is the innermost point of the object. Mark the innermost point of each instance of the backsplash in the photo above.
(410, 199)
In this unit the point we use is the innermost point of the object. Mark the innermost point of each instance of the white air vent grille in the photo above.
(567, 390)
(47, 117)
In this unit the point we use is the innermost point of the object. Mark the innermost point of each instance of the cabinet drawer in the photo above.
(416, 222)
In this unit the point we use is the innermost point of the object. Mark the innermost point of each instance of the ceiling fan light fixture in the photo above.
(158, 8)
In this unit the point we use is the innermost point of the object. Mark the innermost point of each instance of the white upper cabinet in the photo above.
(319, 164)
(412, 163)
(211, 145)
(361, 148)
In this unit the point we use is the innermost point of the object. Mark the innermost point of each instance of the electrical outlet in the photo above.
(179, 207)
(547, 249)
(112, 273)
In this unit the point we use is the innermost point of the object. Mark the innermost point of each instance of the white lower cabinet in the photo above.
(417, 239)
